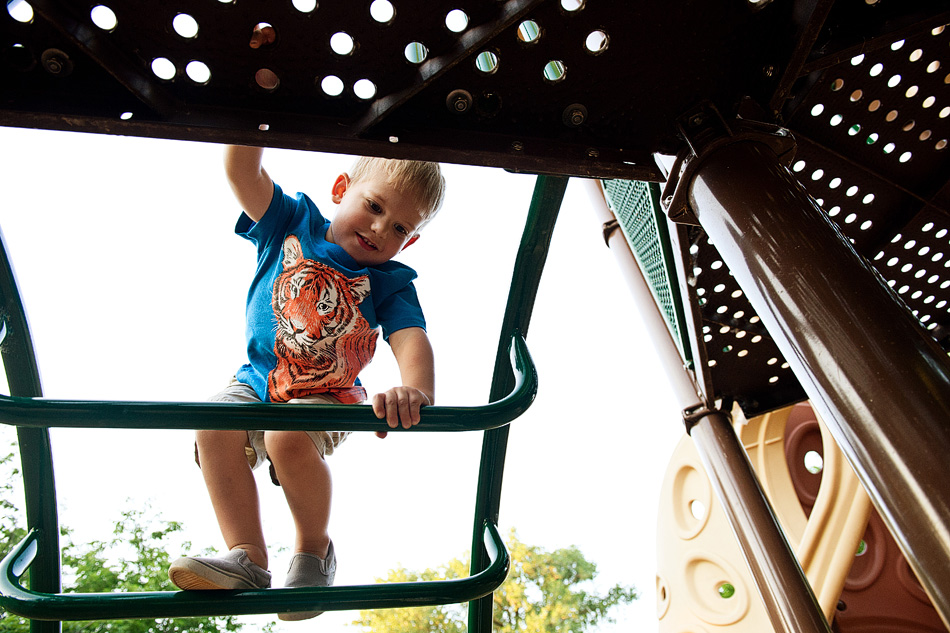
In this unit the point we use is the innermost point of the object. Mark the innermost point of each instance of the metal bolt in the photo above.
(768, 70)
(517, 146)
(668, 200)
(459, 101)
(574, 115)
(696, 120)
(592, 153)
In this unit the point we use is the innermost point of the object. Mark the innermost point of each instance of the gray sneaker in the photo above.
(307, 570)
(234, 570)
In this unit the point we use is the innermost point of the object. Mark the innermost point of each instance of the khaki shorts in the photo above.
(325, 441)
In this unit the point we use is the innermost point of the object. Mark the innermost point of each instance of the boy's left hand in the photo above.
(399, 405)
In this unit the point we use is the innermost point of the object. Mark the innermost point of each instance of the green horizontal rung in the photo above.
(177, 604)
(43, 413)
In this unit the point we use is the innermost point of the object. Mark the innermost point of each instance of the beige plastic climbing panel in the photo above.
(855, 569)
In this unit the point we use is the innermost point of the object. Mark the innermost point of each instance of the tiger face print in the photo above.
(322, 340)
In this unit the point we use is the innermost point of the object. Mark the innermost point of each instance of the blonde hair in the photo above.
(421, 179)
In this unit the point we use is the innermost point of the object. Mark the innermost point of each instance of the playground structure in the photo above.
(800, 252)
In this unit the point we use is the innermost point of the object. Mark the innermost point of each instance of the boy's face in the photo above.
(374, 221)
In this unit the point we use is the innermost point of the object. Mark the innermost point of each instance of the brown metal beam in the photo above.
(789, 600)
(879, 381)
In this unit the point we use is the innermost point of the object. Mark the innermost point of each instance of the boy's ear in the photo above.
(339, 188)
(412, 240)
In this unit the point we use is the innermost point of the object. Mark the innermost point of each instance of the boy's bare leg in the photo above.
(233, 491)
(305, 477)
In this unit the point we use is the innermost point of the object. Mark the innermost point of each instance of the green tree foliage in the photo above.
(546, 592)
(134, 559)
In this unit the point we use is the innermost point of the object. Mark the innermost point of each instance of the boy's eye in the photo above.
(401, 230)
(374, 206)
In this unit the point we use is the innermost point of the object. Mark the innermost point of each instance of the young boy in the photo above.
(320, 290)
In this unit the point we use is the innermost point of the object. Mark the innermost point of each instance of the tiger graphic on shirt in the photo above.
(322, 340)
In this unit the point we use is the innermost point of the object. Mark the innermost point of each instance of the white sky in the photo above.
(135, 283)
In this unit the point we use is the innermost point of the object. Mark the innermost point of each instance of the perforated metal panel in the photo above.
(575, 87)
(637, 207)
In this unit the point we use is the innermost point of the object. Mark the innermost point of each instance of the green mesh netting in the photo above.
(636, 205)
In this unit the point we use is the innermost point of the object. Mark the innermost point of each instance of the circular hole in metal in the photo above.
(906, 156)
(555, 71)
(933, 66)
(833, 211)
(872, 138)
(890, 147)
(267, 79)
(874, 105)
(103, 17)
(331, 85)
(835, 183)
(929, 101)
(907, 127)
(891, 116)
(944, 113)
(866, 225)
(185, 25)
(382, 11)
(164, 68)
(817, 174)
(305, 6)
(857, 59)
(529, 32)
(851, 217)
(456, 20)
(836, 120)
(364, 89)
(937, 31)
(925, 135)
(856, 95)
(487, 62)
(798, 166)
(20, 10)
(896, 45)
(854, 129)
(125, 116)
(911, 92)
(198, 72)
(876, 69)
(773, 379)
(572, 5)
(416, 52)
(837, 85)
(941, 144)
(852, 191)
(893, 81)
(342, 43)
(868, 199)
(817, 109)
(916, 55)
(597, 42)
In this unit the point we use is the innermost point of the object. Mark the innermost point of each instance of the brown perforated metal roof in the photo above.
(574, 87)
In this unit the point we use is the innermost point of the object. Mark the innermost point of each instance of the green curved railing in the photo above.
(43, 413)
(45, 605)
(164, 604)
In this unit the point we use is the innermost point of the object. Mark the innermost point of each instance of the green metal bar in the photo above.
(532, 253)
(167, 604)
(37, 413)
(36, 456)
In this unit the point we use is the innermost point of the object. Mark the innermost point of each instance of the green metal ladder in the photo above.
(514, 386)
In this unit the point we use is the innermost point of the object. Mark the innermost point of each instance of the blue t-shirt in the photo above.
(312, 311)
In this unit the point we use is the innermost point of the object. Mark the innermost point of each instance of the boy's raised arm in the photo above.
(250, 183)
(400, 405)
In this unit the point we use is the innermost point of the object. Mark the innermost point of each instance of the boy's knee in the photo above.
(289, 446)
(214, 440)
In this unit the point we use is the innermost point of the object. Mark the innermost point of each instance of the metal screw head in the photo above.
(592, 152)
(459, 101)
(574, 115)
(56, 62)
(696, 120)
(517, 146)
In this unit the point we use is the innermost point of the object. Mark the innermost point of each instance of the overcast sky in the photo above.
(135, 284)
